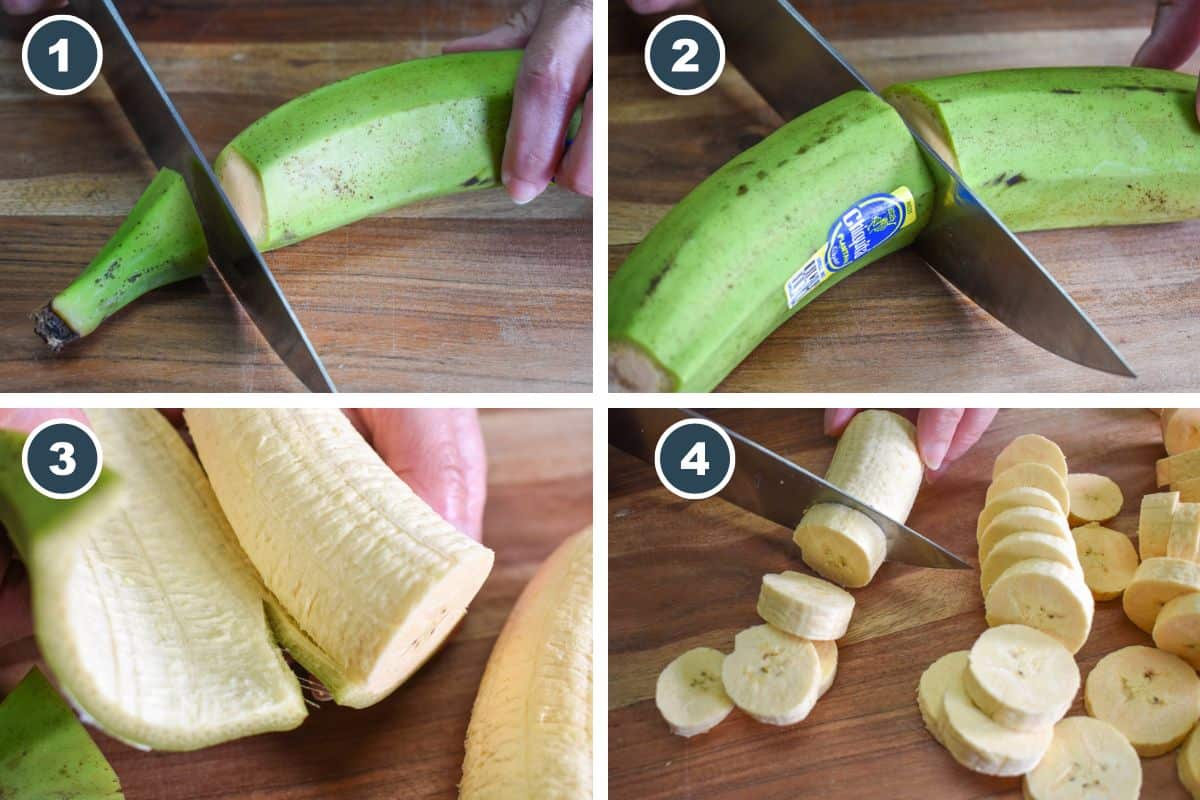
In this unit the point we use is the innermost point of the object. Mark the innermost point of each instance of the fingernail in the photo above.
(521, 191)
(935, 454)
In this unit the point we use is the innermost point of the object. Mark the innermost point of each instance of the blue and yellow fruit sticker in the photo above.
(857, 231)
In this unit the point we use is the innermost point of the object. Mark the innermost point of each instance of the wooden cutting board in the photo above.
(685, 574)
(410, 745)
(467, 293)
(896, 326)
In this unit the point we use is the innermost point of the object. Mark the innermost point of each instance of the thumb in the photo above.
(439, 453)
(836, 420)
(1174, 37)
(515, 32)
(935, 432)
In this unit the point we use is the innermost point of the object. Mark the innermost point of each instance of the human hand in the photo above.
(658, 6)
(554, 77)
(21, 7)
(16, 619)
(438, 452)
(1174, 37)
(943, 434)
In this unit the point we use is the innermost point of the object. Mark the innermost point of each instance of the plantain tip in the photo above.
(53, 329)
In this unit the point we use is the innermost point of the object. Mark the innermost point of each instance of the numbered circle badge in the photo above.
(694, 458)
(62, 55)
(62, 459)
(685, 55)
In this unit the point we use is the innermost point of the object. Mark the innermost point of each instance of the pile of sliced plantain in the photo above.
(993, 707)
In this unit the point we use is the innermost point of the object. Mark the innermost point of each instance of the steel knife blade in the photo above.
(170, 144)
(769, 485)
(795, 69)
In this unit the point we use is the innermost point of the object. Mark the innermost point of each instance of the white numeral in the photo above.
(60, 49)
(65, 450)
(684, 62)
(694, 460)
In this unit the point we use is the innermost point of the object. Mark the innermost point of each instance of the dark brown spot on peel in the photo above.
(1065, 91)
(1015, 179)
(655, 281)
(741, 190)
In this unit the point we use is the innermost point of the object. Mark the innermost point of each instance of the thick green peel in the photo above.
(45, 753)
(366, 144)
(146, 610)
(33, 520)
(1066, 147)
(160, 242)
(707, 284)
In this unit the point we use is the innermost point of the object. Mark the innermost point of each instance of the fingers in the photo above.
(972, 424)
(513, 33)
(26, 419)
(439, 453)
(30, 6)
(554, 75)
(836, 420)
(575, 172)
(1174, 37)
(935, 432)
(657, 6)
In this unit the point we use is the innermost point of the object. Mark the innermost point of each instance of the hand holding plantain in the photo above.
(943, 434)
(555, 75)
(1174, 37)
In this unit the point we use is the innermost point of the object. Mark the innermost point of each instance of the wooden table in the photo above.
(411, 744)
(685, 574)
(895, 326)
(467, 293)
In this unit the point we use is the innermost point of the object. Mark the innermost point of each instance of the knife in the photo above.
(170, 144)
(795, 69)
(769, 485)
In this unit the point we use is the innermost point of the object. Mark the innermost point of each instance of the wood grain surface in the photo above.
(896, 326)
(467, 293)
(686, 574)
(410, 745)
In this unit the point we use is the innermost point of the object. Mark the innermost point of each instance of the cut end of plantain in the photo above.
(630, 369)
(422, 632)
(244, 188)
(925, 120)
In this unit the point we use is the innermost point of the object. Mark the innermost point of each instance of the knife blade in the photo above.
(170, 144)
(795, 68)
(769, 485)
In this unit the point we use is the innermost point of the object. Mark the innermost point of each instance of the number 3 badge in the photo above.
(62, 459)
